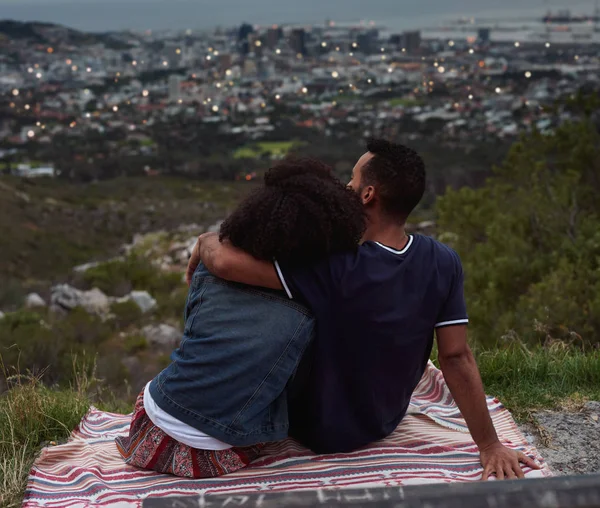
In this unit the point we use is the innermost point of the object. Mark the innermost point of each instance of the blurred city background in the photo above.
(128, 128)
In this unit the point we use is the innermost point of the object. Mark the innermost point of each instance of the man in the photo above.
(376, 313)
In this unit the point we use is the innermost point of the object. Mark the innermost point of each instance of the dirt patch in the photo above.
(569, 441)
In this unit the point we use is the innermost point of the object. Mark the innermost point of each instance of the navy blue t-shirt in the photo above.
(376, 312)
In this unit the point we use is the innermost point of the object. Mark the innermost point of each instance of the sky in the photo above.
(102, 15)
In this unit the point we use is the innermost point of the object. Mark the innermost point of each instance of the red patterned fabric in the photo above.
(148, 447)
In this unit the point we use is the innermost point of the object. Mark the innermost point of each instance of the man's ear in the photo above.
(367, 195)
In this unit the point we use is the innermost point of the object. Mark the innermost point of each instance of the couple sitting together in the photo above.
(312, 315)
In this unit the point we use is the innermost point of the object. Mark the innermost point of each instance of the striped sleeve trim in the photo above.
(452, 323)
(282, 280)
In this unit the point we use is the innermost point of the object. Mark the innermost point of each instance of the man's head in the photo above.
(390, 179)
(301, 214)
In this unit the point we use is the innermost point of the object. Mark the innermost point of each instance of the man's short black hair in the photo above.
(398, 173)
(301, 214)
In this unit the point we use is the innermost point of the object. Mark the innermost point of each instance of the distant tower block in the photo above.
(274, 35)
(174, 88)
(484, 35)
(411, 41)
(298, 40)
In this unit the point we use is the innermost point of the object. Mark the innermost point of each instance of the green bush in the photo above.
(530, 240)
(135, 343)
(117, 278)
(12, 293)
(42, 344)
(28, 344)
(126, 314)
(171, 305)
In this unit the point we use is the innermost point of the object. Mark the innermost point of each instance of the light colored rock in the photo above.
(84, 268)
(95, 301)
(183, 257)
(88, 266)
(429, 224)
(163, 262)
(33, 300)
(143, 299)
(191, 245)
(162, 335)
(215, 228)
(67, 298)
(2, 315)
(191, 228)
(176, 247)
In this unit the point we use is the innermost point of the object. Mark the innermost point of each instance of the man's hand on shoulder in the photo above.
(196, 257)
(504, 463)
(228, 262)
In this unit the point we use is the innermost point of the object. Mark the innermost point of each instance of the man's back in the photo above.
(376, 313)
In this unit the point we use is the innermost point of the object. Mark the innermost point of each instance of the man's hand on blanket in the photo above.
(504, 462)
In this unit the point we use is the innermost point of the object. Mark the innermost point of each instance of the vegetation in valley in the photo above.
(530, 242)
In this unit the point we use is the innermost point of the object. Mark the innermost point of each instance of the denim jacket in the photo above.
(241, 347)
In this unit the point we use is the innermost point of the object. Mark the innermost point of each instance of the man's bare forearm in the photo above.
(463, 379)
(229, 263)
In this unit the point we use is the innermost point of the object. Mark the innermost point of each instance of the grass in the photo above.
(402, 101)
(554, 377)
(272, 148)
(527, 379)
(31, 416)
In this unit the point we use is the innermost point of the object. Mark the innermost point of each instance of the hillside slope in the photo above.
(50, 226)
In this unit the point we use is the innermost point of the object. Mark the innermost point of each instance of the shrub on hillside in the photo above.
(44, 345)
(125, 314)
(117, 278)
(530, 240)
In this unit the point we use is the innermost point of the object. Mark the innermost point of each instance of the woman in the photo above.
(224, 395)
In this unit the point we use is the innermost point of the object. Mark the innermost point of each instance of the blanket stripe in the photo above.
(432, 444)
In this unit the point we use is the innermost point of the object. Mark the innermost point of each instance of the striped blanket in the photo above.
(432, 444)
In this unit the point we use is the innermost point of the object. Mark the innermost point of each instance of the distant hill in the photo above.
(48, 33)
(48, 226)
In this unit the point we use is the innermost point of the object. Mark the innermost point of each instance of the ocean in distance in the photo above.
(104, 15)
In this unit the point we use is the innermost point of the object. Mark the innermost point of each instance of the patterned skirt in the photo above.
(148, 447)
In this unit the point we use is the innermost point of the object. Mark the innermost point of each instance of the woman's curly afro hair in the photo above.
(301, 214)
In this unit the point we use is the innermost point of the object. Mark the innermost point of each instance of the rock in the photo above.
(215, 228)
(67, 298)
(191, 244)
(95, 301)
(183, 257)
(162, 335)
(190, 228)
(176, 247)
(88, 266)
(570, 443)
(84, 268)
(2, 315)
(33, 300)
(423, 226)
(593, 407)
(143, 299)
(163, 263)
